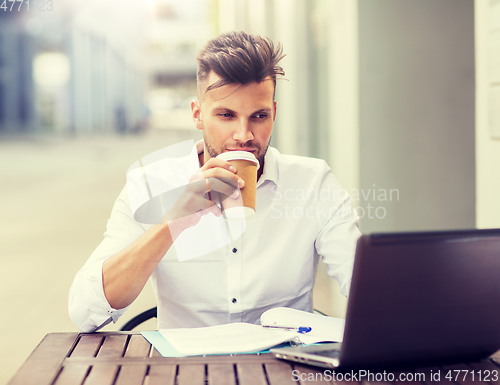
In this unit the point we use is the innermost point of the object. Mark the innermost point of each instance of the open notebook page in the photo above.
(324, 329)
(224, 339)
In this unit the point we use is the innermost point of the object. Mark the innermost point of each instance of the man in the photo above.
(302, 213)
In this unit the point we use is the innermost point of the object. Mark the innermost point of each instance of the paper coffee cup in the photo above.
(246, 168)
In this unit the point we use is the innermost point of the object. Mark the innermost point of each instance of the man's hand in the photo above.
(216, 177)
(125, 273)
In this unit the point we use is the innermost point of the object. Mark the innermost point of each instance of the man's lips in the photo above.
(242, 149)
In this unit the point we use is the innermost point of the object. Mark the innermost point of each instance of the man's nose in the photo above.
(243, 132)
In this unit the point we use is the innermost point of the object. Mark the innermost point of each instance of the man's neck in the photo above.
(260, 170)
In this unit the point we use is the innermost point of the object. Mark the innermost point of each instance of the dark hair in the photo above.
(239, 57)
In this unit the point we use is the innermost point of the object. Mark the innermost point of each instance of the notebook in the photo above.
(417, 299)
(241, 337)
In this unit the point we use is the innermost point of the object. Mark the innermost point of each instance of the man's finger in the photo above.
(225, 176)
(224, 186)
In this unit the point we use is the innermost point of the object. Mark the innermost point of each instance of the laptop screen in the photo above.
(423, 297)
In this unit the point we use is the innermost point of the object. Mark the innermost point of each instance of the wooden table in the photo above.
(121, 358)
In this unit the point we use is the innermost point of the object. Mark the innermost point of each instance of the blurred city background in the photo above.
(400, 97)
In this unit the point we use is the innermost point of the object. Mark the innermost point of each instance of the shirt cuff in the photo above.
(93, 309)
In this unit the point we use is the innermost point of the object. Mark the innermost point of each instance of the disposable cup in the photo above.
(246, 165)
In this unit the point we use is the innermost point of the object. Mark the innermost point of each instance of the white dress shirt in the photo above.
(302, 215)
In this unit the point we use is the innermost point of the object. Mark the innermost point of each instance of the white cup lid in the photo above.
(239, 155)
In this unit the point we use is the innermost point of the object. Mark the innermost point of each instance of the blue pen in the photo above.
(300, 329)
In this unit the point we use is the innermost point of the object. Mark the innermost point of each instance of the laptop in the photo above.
(417, 299)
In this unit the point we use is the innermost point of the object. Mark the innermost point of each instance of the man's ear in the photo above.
(196, 113)
(274, 115)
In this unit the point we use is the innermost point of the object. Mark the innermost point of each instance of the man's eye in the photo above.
(226, 115)
(260, 116)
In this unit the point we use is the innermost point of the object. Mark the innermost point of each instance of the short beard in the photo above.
(210, 149)
(261, 157)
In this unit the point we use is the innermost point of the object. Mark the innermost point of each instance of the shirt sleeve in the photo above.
(336, 241)
(88, 307)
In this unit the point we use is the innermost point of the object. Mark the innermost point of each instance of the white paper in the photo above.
(224, 339)
(323, 328)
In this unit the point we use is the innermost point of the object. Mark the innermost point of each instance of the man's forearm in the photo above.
(125, 274)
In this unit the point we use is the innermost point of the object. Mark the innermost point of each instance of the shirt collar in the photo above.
(270, 168)
(270, 164)
(200, 146)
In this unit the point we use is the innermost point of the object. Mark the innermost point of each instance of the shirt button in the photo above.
(235, 250)
(234, 300)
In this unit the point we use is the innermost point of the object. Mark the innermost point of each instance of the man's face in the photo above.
(236, 117)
